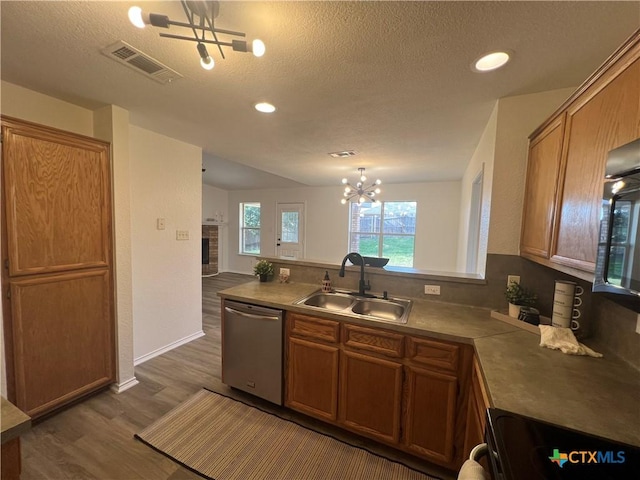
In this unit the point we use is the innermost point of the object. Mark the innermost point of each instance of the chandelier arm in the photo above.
(190, 16)
(191, 39)
(206, 29)
(215, 37)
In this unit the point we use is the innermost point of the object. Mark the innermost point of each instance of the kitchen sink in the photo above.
(392, 310)
(384, 309)
(329, 301)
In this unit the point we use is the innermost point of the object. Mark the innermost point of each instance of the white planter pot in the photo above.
(514, 310)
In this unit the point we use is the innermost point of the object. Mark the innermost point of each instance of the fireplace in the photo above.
(205, 251)
(209, 250)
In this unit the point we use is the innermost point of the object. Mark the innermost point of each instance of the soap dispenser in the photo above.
(326, 282)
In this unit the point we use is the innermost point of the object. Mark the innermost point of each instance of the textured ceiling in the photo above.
(390, 80)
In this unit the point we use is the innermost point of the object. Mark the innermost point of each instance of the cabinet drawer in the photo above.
(311, 327)
(373, 340)
(440, 355)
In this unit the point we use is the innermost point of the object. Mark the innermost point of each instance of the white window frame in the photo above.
(243, 228)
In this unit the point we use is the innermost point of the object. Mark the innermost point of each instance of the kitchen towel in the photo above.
(563, 339)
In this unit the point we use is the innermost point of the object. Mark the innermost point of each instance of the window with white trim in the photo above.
(384, 229)
(250, 228)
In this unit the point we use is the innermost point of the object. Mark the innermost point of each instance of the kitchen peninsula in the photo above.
(594, 395)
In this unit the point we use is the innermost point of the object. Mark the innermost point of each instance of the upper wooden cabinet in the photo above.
(543, 170)
(567, 157)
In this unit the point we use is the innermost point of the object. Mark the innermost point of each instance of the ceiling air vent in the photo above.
(343, 154)
(142, 63)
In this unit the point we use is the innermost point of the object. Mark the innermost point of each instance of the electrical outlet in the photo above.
(513, 278)
(160, 223)
(285, 271)
(182, 234)
(432, 289)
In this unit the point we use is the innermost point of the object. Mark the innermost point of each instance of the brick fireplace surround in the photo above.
(211, 232)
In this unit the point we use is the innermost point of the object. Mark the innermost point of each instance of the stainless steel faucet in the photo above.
(356, 259)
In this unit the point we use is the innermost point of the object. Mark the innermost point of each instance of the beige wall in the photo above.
(327, 224)
(111, 124)
(518, 117)
(166, 182)
(481, 161)
(35, 107)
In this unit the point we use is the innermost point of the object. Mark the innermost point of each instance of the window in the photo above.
(385, 229)
(250, 228)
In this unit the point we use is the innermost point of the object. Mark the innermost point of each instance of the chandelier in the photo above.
(200, 17)
(364, 194)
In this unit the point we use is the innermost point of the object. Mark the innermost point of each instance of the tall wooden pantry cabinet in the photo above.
(57, 267)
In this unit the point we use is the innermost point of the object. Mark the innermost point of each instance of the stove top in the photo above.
(529, 449)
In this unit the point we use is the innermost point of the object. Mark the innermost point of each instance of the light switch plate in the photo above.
(182, 234)
(160, 223)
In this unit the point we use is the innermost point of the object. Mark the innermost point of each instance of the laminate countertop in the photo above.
(14, 422)
(599, 396)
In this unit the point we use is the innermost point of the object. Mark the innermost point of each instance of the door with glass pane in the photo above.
(290, 230)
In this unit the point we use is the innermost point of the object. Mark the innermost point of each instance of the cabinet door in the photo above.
(370, 396)
(543, 168)
(62, 338)
(596, 124)
(476, 411)
(56, 250)
(430, 413)
(312, 378)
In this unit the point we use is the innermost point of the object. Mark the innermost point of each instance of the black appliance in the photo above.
(522, 448)
(617, 273)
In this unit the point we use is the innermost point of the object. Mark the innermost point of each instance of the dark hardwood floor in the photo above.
(94, 439)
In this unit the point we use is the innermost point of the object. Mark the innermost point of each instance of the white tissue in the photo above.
(563, 339)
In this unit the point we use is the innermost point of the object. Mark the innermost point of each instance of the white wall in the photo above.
(517, 118)
(111, 124)
(35, 107)
(327, 225)
(215, 204)
(481, 161)
(166, 182)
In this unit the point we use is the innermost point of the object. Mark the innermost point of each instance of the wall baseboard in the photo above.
(126, 385)
(166, 348)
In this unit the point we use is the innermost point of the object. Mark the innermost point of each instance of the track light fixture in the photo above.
(200, 17)
(364, 194)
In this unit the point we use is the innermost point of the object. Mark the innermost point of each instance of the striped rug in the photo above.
(224, 439)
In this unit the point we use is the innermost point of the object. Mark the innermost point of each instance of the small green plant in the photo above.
(263, 267)
(518, 295)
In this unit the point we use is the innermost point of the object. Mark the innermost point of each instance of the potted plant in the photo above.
(263, 269)
(518, 296)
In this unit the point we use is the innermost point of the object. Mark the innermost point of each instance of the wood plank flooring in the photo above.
(94, 439)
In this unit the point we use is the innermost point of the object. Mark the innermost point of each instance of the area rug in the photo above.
(224, 439)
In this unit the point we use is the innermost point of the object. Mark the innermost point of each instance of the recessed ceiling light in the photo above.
(265, 107)
(491, 61)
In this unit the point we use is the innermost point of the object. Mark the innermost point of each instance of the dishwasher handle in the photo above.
(252, 311)
(251, 315)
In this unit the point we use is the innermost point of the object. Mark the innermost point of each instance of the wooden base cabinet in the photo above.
(313, 378)
(407, 392)
(430, 413)
(476, 412)
(370, 395)
(312, 353)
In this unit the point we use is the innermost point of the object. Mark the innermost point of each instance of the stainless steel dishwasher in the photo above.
(252, 350)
